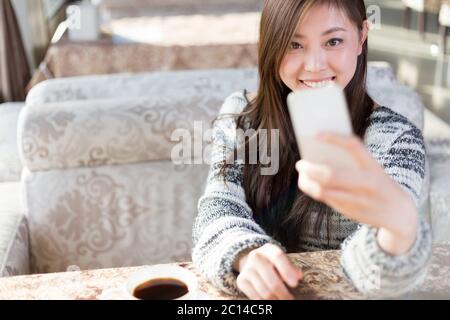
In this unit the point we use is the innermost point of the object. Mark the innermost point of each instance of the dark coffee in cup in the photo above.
(162, 282)
(161, 289)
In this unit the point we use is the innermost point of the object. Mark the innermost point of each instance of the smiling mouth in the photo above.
(319, 84)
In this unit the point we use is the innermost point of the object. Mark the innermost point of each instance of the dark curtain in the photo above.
(14, 68)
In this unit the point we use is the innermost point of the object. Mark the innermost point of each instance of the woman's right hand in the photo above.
(264, 273)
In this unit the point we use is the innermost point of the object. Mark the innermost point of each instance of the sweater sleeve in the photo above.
(372, 270)
(224, 226)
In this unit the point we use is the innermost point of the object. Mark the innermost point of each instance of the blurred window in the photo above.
(52, 7)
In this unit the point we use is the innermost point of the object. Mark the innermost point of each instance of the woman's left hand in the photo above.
(365, 193)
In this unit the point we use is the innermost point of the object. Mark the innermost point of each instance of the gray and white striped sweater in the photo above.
(225, 227)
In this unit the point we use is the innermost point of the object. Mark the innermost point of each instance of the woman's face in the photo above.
(325, 49)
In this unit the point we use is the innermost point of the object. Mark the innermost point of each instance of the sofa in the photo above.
(99, 188)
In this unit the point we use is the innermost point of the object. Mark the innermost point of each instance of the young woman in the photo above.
(248, 221)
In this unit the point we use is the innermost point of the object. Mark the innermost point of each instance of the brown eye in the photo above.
(334, 42)
(295, 45)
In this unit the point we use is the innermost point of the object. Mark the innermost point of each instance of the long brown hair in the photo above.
(277, 203)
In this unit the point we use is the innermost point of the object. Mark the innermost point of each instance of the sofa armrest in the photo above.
(437, 138)
(14, 234)
(10, 164)
(14, 245)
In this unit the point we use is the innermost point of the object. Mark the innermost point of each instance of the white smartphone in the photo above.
(321, 110)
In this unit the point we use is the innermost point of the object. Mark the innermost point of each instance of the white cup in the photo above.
(164, 272)
(83, 21)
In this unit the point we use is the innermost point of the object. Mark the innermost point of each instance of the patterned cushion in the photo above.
(58, 132)
(112, 216)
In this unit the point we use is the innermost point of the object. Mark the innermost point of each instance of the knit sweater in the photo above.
(225, 227)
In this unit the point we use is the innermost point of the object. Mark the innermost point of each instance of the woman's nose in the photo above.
(315, 61)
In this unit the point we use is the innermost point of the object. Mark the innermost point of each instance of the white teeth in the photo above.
(320, 84)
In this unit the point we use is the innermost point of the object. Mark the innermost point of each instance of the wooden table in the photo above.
(323, 279)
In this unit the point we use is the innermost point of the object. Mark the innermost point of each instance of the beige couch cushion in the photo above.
(109, 132)
(93, 121)
(112, 216)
